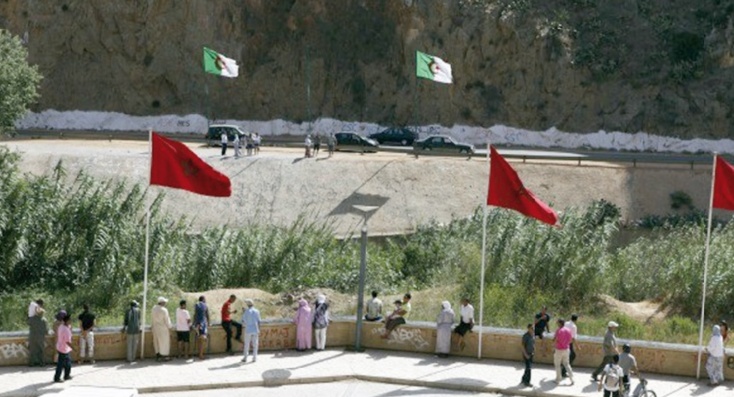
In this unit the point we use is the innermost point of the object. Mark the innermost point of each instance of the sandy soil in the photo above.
(645, 311)
(279, 185)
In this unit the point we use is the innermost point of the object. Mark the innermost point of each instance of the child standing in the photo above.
(63, 347)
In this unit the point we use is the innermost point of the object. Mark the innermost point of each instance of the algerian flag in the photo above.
(432, 68)
(216, 63)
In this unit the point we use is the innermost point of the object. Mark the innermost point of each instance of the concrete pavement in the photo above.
(289, 367)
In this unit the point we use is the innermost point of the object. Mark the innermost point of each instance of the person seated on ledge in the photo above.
(397, 317)
(373, 308)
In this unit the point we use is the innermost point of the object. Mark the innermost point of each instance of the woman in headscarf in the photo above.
(302, 320)
(444, 322)
(37, 335)
(320, 321)
(715, 363)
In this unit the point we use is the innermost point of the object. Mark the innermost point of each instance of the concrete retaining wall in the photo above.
(504, 344)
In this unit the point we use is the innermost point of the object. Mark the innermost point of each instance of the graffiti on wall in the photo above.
(276, 338)
(14, 350)
(405, 336)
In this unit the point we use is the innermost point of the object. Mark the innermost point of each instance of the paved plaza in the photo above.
(354, 374)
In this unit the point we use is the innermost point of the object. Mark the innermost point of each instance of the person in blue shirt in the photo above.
(201, 324)
(251, 323)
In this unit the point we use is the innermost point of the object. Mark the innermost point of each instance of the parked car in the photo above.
(214, 134)
(396, 136)
(350, 141)
(442, 144)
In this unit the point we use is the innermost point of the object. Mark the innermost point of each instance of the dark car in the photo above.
(214, 134)
(396, 136)
(350, 141)
(442, 144)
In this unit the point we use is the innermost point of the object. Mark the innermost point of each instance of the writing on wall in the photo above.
(405, 336)
(276, 338)
(14, 350)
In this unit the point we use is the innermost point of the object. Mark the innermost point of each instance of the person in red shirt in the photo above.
(562, 342)
(227, 322)
(63, 347)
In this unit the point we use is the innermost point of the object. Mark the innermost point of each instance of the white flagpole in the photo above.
(144, 310)
(484, 262)
(705, 270)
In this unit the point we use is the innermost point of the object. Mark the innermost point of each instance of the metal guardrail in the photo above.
(296, 141)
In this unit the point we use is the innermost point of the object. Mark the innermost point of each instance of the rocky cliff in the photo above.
(663, 67)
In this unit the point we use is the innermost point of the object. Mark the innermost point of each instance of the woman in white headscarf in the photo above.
(444, 322)
(715, 363)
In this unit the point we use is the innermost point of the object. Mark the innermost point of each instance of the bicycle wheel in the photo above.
(648, 393)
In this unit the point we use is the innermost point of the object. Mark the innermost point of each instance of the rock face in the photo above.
(663, 67)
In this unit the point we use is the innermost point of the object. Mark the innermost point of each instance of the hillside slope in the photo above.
(658, 66)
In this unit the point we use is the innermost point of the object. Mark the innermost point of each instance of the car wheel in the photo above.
(404, 142)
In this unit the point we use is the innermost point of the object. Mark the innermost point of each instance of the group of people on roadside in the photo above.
(250, 141)
(313, 145)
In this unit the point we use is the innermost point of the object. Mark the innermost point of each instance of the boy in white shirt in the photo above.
(183, 327)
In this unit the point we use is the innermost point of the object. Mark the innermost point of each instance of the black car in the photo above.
(396, 136)
(214, 134)
(442, 144)
(350, 141)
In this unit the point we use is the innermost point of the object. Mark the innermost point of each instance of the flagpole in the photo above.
(147, 250)
(705, 269)
(484, 262)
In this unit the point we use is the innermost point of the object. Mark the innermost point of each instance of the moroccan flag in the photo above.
(506, 190)
(432, 68)
(175, 165)
(723, 185)
(216, 63)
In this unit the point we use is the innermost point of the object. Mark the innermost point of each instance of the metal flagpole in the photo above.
(705, 269)
(484, 262)
(147, 249)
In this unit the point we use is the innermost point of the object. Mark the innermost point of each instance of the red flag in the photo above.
(175, 165)
(723, 185)
(506, 190)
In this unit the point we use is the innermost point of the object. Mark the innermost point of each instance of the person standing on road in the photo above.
(38, 329)
(86, 338)
(571, 325)
(308, 144)
(528, 351)
(302, 320)
(542, 322)
(715, 362)
(236, 144)
(63, 348)
(201, 324)
(251, 322)
(316, 145)
(610, 350)
(628, 363)
(227, 323)
(466, 321)
(183, 327)
(224, 139)
(373, 308)
(132, 325)
(444, 322)
(256, 140)
(562, 339)
(160, 327)
(331, 144)
(320, 321)
(611, 379)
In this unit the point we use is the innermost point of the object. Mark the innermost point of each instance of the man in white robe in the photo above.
(160, 327)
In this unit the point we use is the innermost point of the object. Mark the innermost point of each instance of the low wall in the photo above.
(497, 343)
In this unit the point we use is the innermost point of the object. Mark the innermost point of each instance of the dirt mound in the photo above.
(646, 311)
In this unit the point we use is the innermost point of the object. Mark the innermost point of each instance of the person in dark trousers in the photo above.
(571, 325)
(542, 320)
(224, 139)
(63, 347)
(316, 145)
(610, 350)
(528, 350)
(227, 322)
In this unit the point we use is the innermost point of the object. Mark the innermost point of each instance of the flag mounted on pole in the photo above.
(216, 63)
(432, 68)
(723, 185)
(506, 190)
(175, 165)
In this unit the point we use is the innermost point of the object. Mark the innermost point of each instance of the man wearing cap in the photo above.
(132, 326)
(251, 321)
(610, 349)
(160, 326)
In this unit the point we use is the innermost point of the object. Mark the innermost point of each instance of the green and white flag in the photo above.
(432, 68)
(216, 63)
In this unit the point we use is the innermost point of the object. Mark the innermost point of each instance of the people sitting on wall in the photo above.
(398, 316)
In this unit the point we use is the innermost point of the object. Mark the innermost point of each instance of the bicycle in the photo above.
(641, 390)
